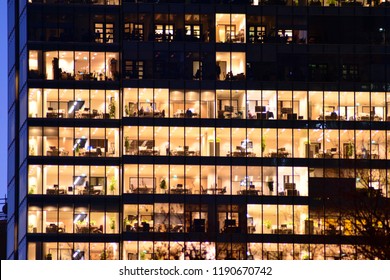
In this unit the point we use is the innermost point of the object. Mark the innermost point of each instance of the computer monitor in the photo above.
(247, 144)
(260, 108)
(79, 180)
(199, 222)
(81, 142)
(228, 108)
(74, 106)
(78, 255)
(287, 110)
(230, 223)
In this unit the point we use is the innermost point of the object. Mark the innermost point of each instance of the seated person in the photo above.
(188, 113)
(229, 76)
(141, 111)
(99, 151)
(333, 116)
(238, 115)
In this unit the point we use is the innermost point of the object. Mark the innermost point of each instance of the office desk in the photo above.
(143, 190)
(82, 229)
(54, 115)
(93, 153)
(249, 192)
(232, 230)
(291, 192)
(178, 152)
(241, 154)
(214, 190)
(55, 228)
(149, 152)
(180, 191)
(55, 191)
(53, 153)
(279, 154)
(324, 155)
(282, 231)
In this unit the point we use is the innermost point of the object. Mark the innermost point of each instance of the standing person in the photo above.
(217, 71)
(167, 149)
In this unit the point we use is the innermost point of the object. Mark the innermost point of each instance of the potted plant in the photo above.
(350, 150)
(267, 224)
(77, 149)
(127, 224)
(112, 185)
(127, 111)
(49, 256)
(103, 255)
(32, 189)
(331, 3)
(163, 185)
(31, 228)
(127, 145)
(112, 224)
(111, 109)
(263, 145)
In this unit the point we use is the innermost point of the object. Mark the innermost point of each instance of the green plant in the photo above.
(263, 144)
(267, 224)
(112, 185)
(127, 111)
(32, 189)
(331, 2)
(350, 149)
(30, 228)
(127, 144)
(81, 223)
(92, 222)
(77, 148)
(111, 108)
(112, 223)
(103, 255)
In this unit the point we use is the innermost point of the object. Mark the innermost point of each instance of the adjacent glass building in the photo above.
(197, 129)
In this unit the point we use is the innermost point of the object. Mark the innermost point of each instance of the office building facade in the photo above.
(194, 129)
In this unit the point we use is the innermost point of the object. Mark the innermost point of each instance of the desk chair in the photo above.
(222, 191)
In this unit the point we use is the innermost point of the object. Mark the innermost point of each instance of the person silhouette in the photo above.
(217, 71)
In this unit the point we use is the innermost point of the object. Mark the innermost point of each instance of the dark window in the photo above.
(134, 69)
(193, 32)
(318, 72)
(134, 31)
(256, 33)
(163, 33)
(350, 72)
(104, 32)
